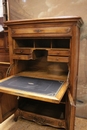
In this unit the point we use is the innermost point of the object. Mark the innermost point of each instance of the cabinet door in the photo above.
(8, 105)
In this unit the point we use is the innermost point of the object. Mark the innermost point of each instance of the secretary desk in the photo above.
(44, 57)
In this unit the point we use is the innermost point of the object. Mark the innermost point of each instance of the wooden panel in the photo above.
(22, 57)
(22, 51)
(59, 52)
(6, 39)
(4, 57)
(43, 120)
(3, 70)
(60, 30)
(57, 59)
(2, 44)
(61, 76)
(8, 105)
(4, 51)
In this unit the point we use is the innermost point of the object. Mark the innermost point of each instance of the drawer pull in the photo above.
(21, 51)
(38, 31)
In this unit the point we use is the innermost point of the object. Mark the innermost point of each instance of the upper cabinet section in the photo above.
(40, 45)
(52, 27)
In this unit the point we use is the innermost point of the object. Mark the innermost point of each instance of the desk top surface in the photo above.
(42, 86)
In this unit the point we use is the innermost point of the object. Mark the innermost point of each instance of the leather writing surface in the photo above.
(42, 86)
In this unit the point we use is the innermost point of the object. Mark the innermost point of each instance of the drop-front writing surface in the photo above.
(34, 88)
(47, 49)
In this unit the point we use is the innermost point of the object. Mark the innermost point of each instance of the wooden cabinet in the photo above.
(4, 51)
(44, 56)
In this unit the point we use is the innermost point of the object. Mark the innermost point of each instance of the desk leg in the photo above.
(70, 112)
(16, 115)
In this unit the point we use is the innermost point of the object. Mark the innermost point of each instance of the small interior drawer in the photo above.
(59, 52)
(22, 57)
(22, 51)
(57, 59)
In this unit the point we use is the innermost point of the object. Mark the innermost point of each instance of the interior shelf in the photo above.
(61, 76)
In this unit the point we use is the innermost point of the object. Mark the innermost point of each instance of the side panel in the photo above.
(8, 105)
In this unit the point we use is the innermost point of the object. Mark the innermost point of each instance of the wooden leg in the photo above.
(70, 113)
(16, 115)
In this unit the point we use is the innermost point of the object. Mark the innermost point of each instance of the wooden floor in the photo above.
(21, 124)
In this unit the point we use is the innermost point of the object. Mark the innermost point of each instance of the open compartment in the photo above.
(43, 43)
(61, 43)
(39, 53)
(42, 108)
(23, 43)
(56, 43)
(41, 68)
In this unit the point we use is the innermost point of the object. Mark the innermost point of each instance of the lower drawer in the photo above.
(57, 59)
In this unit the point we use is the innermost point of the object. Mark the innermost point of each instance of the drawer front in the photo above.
(57, 59)
(22, 57)
(46, 30)
(22, 51)
(59, 52)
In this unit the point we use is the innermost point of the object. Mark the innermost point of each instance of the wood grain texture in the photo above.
(23, 124)
(46, 9)
(28, 9)
(68, 38)
(4, 52)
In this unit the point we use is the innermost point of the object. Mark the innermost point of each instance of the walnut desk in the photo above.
(44, 56)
